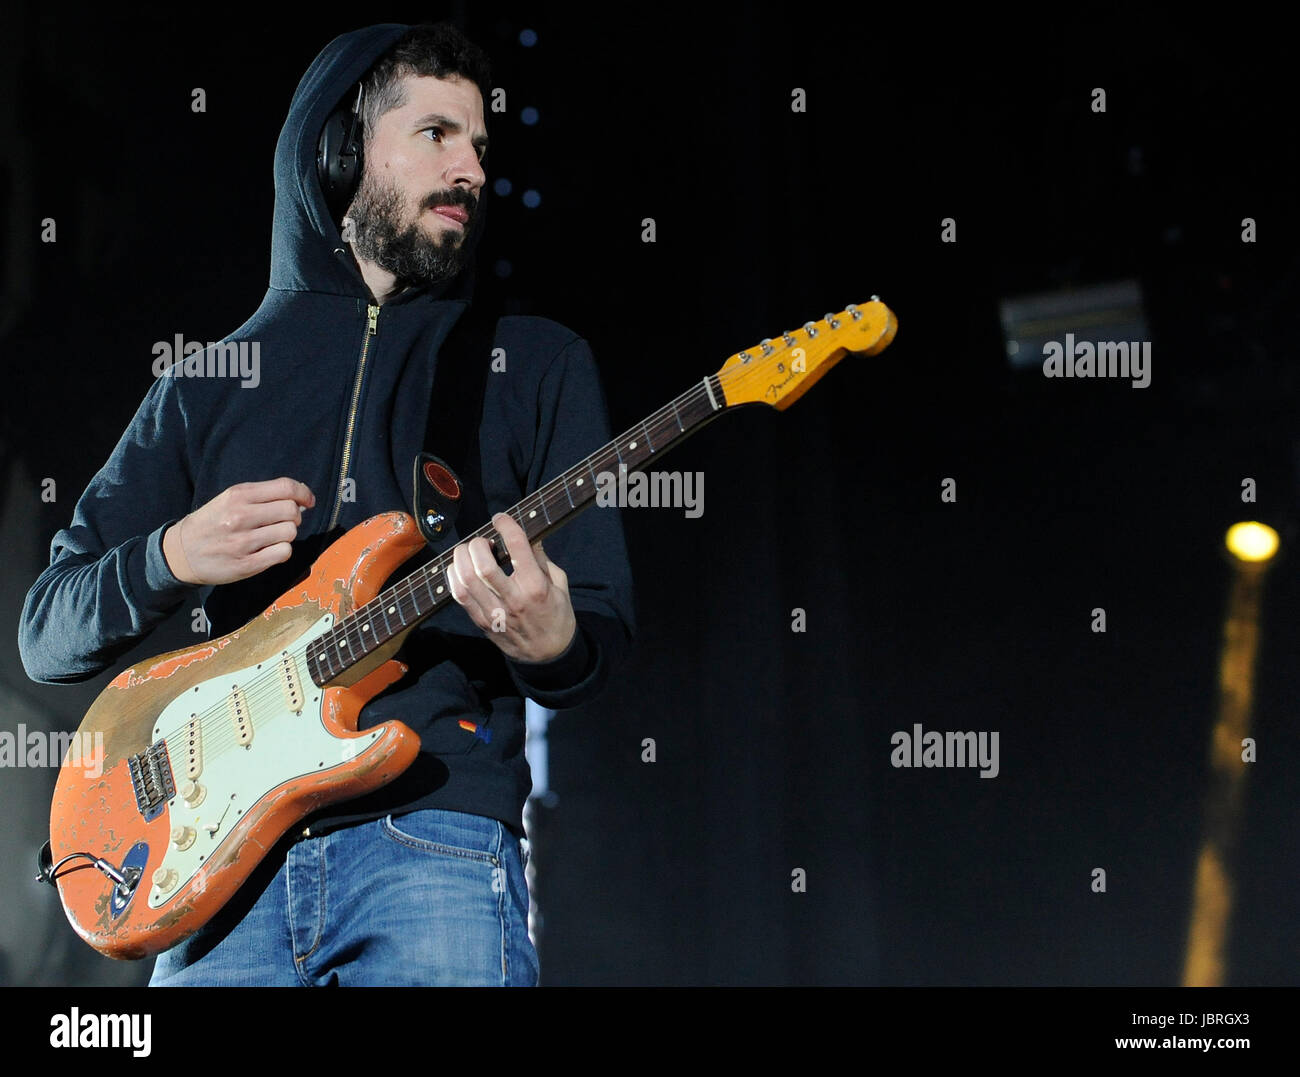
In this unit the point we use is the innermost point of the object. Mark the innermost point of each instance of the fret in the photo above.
(646, 430)
(567, 494)
(678, 417)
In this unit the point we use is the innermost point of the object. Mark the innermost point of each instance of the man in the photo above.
(231, 489)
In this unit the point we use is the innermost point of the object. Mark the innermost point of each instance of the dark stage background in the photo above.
(773, 746)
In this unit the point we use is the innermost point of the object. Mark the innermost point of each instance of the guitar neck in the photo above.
(776, 372)
(425, 591)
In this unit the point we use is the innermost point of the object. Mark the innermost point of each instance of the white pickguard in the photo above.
(282, 744)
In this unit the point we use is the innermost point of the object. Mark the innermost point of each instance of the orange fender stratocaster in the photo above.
(212, 753)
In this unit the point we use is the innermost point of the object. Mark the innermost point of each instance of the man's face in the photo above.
(420, 181)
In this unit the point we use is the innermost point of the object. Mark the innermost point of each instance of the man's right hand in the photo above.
(243, 530)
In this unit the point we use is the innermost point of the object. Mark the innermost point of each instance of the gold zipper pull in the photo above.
(372, 313)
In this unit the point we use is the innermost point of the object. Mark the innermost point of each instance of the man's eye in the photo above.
(438, 130)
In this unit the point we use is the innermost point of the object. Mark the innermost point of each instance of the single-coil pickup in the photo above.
(193, 748)
(290, 683)
(237, 703)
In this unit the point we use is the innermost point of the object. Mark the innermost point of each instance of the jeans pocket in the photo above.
(469, 837)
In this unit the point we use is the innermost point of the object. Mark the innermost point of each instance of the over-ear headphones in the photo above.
(338, 155)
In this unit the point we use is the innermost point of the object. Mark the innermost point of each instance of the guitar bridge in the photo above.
(151, 779)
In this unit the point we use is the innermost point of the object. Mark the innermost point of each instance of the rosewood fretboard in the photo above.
(425, 591)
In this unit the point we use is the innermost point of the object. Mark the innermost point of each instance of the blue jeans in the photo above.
(428, 898)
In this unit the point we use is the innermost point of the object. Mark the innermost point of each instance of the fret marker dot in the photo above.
(440, 589)
(631, 444)
(581, 481)
(392, 609)
(343, 644)
(365, 628)
(532, 514)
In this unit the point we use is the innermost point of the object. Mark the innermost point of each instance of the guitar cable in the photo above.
(126, 879)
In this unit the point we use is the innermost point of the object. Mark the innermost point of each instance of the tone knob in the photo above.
(165, 879)
(193, 793)
(183, 836)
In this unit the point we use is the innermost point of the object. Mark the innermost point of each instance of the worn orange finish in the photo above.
(99, 815)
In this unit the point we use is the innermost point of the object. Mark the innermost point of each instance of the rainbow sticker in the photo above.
(485, 735)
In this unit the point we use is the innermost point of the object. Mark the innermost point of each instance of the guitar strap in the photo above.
(448, 488)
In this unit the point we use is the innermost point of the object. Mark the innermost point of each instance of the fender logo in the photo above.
(774, 390)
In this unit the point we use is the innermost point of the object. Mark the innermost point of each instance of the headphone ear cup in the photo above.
(338, 161)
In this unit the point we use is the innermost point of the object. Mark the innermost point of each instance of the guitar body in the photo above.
(205, 757)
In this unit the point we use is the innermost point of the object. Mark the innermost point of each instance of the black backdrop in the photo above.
(773, 747)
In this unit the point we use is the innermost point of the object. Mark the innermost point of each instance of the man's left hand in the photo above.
(528, 613)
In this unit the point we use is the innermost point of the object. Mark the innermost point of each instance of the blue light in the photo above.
(532, 199)
(502, 186)
(528, 116)
(528, 38)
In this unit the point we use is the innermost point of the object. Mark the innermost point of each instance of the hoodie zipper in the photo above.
(372, 329)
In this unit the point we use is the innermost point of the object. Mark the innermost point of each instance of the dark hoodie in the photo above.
(108, 583)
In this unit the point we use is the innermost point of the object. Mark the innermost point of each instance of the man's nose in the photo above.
(465, 171)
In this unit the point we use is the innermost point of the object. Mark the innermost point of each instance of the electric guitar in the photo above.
(211, 753)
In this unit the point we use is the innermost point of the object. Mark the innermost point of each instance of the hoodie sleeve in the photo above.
(573, 423)
(108, 583)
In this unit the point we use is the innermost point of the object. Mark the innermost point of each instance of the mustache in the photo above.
(457, 196)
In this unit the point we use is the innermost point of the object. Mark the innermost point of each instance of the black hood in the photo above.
(307, 251)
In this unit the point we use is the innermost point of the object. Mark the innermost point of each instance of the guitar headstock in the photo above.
(778, 372)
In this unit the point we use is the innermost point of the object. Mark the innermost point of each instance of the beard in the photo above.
(407, 250)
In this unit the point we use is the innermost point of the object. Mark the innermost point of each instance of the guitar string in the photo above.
(256, 691)
(268, 683)
(258, 687)
(539, 498)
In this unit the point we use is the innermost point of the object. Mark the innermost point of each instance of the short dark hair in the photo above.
(437, 49)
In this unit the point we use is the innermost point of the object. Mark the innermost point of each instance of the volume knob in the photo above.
(193, 793)
(183, 836)
(165, 879)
